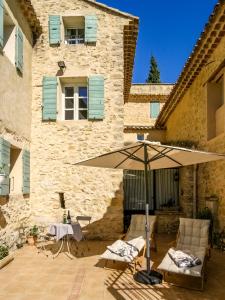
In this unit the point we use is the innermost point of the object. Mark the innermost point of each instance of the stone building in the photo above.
(141, 111)
(194, 113)
(82, 70)
(19, 28)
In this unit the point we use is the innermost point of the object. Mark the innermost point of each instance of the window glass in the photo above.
(75, 103)
(69, 115)
(140, 137)
(74, 36)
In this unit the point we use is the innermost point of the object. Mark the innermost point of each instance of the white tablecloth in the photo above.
(60, 230)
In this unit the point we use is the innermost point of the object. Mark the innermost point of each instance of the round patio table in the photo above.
(65, 232)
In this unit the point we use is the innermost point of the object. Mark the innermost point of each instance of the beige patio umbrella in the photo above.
(145, 155)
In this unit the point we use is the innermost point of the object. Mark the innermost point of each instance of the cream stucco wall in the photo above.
(15, 125)
(189, 122)
(15, 89)
(56, 146)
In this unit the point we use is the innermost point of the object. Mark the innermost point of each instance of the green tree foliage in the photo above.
(154, 73)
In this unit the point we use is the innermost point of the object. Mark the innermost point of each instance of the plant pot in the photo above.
(2, 178)
(31, 240)
(6, 260)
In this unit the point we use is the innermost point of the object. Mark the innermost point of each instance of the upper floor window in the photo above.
(9, 40)
(215, 106)
(74, 36)
(74, 29)
(154, 109)
(75, 104)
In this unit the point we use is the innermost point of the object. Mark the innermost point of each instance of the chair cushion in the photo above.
(137, 226)
(193, 233)
(168, 265)
(138, 243)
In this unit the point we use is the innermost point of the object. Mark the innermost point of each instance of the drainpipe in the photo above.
(195, 168)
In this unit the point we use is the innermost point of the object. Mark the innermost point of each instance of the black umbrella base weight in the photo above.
(148, 278)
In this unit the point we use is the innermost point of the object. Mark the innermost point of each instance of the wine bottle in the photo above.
(68, 218)
(64, 217)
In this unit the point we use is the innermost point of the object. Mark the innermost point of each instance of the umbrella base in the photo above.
(148, 278)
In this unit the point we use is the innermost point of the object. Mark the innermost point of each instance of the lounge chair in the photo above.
(136, 237)
(193, 235)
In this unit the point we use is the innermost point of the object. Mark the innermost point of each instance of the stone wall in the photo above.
(137, 109)
(56, 146)
(189, 122)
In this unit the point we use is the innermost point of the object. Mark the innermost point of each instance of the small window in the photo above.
(9, 37)
(74, 29)
(74, 36)
(154, 109)
(140, 137)
(75, 102)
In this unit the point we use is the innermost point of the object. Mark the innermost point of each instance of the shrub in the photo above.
(3, 252)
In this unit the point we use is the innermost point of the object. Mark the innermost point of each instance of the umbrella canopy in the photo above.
(145, 155)
(159, 156)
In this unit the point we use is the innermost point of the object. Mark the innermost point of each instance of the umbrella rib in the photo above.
(134, 157)
(128, 156)
(159, 155)
(164, 154)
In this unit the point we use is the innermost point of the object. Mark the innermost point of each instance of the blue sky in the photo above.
(168, 30)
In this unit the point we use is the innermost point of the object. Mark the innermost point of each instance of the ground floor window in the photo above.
(75, 104)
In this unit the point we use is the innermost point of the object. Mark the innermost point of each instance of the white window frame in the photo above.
(76, 97)
(77, 40)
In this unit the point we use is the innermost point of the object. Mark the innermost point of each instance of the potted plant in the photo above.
(32, 237)
(5, 257)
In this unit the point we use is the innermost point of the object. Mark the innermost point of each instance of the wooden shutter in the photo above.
(96, 97)
(19, 50)
(154, 109)
(49, 98)
(90, 29)
(26, 172)
(5, 164)
(1, 23)
(54, 30)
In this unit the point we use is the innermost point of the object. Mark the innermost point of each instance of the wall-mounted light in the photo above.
(61, 65)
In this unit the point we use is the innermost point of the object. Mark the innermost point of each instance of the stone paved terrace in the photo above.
(33, 276)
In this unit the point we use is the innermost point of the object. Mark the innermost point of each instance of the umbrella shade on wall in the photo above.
(145, 155)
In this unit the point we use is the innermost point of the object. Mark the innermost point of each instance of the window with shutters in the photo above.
(75, 102)
(9, 37)
(74, 30)
(154, 109)
(215, 105)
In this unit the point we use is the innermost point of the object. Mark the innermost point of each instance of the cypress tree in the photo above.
(154, 73)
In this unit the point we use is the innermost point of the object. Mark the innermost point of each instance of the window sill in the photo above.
(68, 122)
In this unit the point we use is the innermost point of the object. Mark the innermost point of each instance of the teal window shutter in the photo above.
(19, 50)
(26, 172)
(49, 98)
(54, 30)
(5, 166)
(1, 23)
(154, 109)
(96, 97)
(90, 29)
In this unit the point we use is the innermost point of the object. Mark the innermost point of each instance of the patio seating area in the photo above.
(34, 276)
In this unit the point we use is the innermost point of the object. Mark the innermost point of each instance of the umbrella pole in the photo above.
(147, 276)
